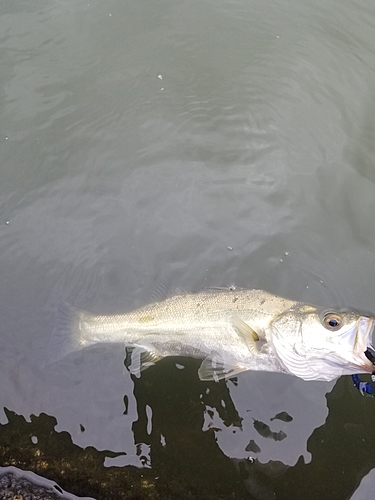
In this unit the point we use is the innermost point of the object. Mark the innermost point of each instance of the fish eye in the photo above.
(332, 321)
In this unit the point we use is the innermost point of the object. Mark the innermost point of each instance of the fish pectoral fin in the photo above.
(139, 358)
(215, 368)
(245, 331)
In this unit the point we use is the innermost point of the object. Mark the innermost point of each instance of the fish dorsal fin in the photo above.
(163, 291)
(246, 333)
(230, 288)
(139, 359)
(215, 368)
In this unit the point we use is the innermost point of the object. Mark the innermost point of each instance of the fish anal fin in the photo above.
(140, 358)
(248, 334)
(214, 368)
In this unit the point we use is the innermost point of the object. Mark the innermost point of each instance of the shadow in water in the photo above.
(171, 408)
(36, 446)
(182, 459)
(342, 449)
(186, 462)
(171, 405)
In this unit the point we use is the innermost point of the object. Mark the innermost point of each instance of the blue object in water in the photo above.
(365, 387)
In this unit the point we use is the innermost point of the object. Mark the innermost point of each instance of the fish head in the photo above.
(319, 344)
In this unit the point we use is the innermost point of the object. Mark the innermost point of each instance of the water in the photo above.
(199, 144)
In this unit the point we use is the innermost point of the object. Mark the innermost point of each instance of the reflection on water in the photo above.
(206, 422)
(180, 455)
(345, 440)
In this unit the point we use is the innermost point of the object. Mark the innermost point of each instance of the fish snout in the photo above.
(366, 334)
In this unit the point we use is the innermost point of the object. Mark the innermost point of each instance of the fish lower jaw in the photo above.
(366, 368)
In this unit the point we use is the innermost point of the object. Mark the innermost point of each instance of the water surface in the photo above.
(195, 144)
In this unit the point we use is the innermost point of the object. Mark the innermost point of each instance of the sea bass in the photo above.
(232, 330)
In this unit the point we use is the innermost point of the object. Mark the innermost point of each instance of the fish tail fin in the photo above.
(66, 335)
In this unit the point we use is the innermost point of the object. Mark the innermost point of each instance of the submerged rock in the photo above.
(16, 484)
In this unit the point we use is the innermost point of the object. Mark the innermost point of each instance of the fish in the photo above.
(232, 330)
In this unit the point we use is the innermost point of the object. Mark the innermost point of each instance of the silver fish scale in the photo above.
(232, 330)
(191, 324)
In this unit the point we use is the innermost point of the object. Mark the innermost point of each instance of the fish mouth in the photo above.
(367, 329)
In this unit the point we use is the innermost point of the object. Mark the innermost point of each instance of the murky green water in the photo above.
(200, 144)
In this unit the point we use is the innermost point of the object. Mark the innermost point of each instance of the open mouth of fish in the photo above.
(368, 328)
